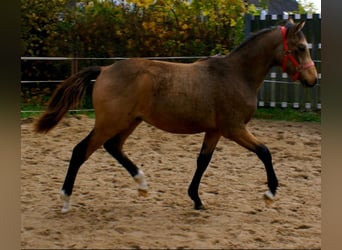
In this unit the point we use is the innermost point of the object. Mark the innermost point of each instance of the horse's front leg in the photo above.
(265, 156)
(244, 138)
(209, 144)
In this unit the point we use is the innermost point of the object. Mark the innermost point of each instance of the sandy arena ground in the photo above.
(107, 212)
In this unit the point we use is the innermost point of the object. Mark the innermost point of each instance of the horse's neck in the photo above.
(257, 57)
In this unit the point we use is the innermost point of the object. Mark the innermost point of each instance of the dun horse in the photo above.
(217, 96)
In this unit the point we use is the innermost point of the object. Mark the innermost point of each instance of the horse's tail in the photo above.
(68, 95)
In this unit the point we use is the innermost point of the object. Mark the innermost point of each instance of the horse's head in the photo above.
(296, 59)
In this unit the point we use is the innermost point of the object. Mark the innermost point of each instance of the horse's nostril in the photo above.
(306, 83)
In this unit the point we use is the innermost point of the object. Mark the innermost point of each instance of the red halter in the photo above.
(288, 56)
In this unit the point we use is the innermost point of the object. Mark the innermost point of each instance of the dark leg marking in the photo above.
(202, 164)
(113, 147)
(244, 138)
(78, 157)
(209, 144)
(265, 156)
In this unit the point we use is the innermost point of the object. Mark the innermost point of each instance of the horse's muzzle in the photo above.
(309, 84)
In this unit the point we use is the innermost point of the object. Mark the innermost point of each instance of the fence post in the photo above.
(273, 90)
(74, 63)
(248, 22)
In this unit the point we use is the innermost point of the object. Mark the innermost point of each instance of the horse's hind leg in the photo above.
(208, 146)
(114, 147)
(80, 154)
(244, 138)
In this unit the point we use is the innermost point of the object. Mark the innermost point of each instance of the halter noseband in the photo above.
(289, 56)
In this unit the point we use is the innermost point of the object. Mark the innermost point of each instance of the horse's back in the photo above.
(175, 97)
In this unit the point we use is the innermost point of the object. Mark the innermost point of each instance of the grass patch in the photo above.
(288, 114)
(30, 111)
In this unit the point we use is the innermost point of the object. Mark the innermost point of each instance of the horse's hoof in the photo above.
(143, 192)
(269, 197)
(66, 202)
(65, 208)
(199, 207)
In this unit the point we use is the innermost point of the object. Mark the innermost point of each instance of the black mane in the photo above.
(253, 37)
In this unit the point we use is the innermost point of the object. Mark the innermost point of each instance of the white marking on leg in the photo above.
(66, 204)
(140, 179)
(268, 197)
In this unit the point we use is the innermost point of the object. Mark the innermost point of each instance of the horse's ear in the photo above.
(299, 26)
(290, 21)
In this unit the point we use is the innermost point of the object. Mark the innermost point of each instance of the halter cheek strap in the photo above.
(289, 56)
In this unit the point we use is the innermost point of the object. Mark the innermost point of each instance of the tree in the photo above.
(131, 28)
(281, 6)
(306, 6)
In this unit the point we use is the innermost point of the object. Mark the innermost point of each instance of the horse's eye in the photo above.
(302, 47)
